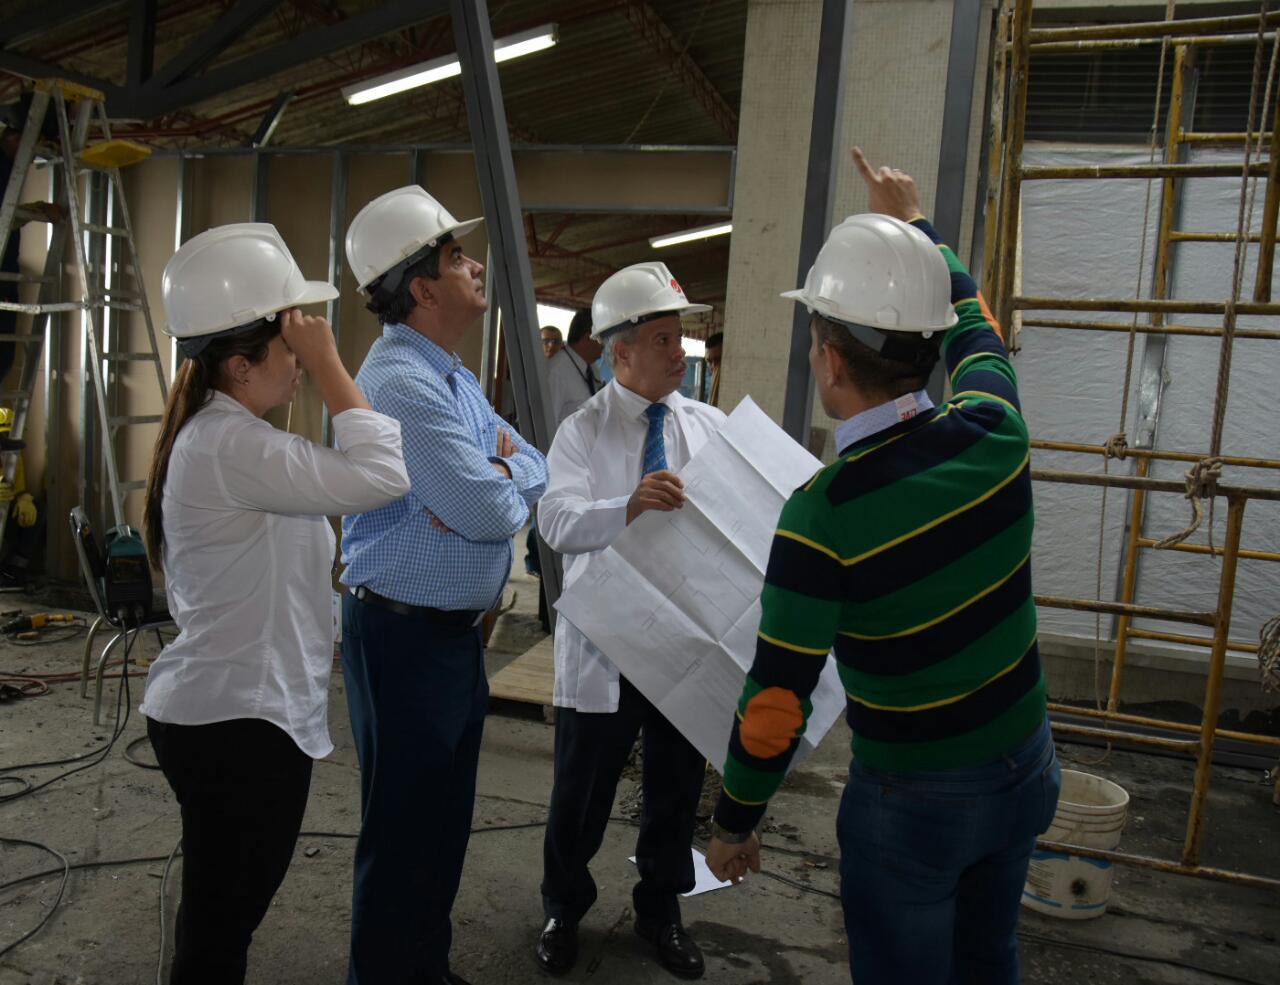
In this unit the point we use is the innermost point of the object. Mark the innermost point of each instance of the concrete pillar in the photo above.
(895, 89)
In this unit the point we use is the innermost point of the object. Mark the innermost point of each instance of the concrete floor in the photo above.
(1161, 929)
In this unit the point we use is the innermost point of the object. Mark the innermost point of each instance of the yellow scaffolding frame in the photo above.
(1017, 42)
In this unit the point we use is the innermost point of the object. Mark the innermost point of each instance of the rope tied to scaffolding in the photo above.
(1117, 446)
(1202, 483)
(1202, 478)
(1269, 655)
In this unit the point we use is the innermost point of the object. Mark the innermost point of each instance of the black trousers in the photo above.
(417, 694)
(242, 786)
(591, 751)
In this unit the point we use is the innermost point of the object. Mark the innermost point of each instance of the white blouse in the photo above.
(248, 557)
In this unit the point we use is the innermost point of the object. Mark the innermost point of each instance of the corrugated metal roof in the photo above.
(615, 76)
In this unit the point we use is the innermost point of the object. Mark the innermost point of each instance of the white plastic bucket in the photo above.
(1091, 813)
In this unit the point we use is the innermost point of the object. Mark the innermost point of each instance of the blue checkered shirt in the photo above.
(450, 436)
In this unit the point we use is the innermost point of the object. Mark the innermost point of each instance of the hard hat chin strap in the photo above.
(384, 289)
(196, 344)
(922, 354)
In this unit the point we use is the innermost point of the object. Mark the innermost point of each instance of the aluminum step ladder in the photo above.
(109, 272)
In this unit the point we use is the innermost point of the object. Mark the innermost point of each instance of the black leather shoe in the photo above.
(557, 947)
(676, 950)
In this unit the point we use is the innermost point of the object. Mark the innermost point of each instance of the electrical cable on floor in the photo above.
(68, 867)
(164, 878)
(95, 757)
(62, 887)
(128, 754)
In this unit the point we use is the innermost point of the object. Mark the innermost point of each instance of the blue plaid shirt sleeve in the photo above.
(528, 467)
(450, 477)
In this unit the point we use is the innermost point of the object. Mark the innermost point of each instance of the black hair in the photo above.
(395, 305)
(580, 327)
(193, 386)
(715, 339)
(871, 371)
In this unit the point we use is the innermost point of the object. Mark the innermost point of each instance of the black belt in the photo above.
(447, 617)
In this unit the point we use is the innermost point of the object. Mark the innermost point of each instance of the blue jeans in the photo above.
(933, 863)
(417, 695)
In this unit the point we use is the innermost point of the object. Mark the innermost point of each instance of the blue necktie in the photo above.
(655, 448)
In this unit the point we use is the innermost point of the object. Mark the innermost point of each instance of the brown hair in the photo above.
(193, 386)
(870, 371)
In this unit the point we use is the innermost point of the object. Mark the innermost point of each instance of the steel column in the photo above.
(510, 277)
(834, 36)
(949, 195)
(337, 235)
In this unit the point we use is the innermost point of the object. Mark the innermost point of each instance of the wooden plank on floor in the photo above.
(528, 678)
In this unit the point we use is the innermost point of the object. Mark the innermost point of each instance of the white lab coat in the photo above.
(595, 464)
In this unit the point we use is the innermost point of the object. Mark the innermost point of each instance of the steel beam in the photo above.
(34, 68)
(834, 38)
(270, 119)
(510, 277)
(337, 236)
(227, 29)
(372, 23)
(142, 42)
(949, 195)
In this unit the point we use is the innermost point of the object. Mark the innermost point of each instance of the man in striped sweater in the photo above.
(910, 556)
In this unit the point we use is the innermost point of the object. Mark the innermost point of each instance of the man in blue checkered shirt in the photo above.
(420, 574)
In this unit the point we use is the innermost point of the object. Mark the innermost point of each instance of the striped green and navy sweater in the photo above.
(910, 555)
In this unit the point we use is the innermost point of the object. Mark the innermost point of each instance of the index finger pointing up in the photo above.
(864, 168)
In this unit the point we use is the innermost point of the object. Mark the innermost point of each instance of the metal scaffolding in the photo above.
(1017, 43)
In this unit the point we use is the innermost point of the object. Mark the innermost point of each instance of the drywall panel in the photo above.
(298, 196)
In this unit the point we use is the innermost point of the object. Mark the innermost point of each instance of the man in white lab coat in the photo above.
(611, 461)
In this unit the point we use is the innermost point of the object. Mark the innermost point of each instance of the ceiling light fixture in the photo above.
(447, 67)
(689, 235)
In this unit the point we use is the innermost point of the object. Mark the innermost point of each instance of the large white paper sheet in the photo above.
(675, 601)
(704, 881)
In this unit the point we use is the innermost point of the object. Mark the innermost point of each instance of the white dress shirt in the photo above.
(595, 464)
(248, 559)
(567, 376)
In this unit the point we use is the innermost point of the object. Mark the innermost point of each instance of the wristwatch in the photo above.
(729, 837)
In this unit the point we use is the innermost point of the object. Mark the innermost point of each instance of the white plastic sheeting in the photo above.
(1082, 239)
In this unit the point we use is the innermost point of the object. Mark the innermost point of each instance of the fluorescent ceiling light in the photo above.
(689, 235)
(447, 67)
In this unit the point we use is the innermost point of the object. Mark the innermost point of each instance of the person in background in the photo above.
(236, 516)
(552, 340)
(911, 555)
(420, 575)
(611, 461)
(715, 349)
(571, 374)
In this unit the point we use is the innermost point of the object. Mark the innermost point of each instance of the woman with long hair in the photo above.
(236, 515)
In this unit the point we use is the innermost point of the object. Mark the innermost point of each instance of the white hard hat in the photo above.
(229, 277)
(394, 228)
(638, 293)
(880, 273)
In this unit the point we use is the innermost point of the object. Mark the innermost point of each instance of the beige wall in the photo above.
(898, 61)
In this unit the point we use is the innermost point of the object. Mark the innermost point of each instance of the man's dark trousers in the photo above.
(591, 751)
(417, 694)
